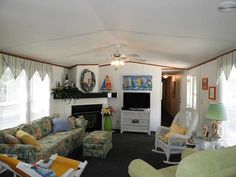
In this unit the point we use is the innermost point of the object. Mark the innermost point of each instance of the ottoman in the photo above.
(97, 144)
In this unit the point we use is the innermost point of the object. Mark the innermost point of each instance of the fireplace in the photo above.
(91, 113)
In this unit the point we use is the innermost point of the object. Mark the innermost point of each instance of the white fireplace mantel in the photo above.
(64, 107)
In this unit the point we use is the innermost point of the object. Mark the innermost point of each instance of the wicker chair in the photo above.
(187, 118)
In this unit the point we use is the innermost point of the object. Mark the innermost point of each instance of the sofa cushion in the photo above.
(1, 137)
(206, 163)
(139, 168)
(61, 142)
(9, 139)
(33, 129)
(72, 122)
(60, 125)
(80, 122)
(26, 138)
(45, 125)
(12, 131)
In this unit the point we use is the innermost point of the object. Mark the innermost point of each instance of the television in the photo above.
(136, 100)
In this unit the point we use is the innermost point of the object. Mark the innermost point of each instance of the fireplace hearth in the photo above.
(91, 113)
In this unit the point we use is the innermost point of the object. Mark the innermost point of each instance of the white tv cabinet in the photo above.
(135, 121)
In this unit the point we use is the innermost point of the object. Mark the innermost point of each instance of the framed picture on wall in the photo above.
(212, 93)
(137, 82)
(204, 83)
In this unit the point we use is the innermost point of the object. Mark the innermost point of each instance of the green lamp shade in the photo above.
(216, 112)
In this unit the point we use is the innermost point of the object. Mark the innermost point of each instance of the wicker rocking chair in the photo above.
(187, 118)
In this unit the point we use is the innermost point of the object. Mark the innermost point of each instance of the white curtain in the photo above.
(226, 76)
(23, 100)
(228, 98)
(39, 96)
(13, 99)
(191, 91)
(16, 65)
(225, 64)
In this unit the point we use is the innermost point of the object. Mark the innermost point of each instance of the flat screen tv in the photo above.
(136, 100)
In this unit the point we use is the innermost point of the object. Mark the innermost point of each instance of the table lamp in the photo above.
(216, 113)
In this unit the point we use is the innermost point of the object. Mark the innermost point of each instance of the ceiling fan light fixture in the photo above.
(117, 62)
(227, 6)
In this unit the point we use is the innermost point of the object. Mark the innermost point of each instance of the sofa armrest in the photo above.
(24, 152)
(139, 168)
(188, 151)
(228, 172)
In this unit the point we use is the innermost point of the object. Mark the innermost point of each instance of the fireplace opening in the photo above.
(91, 113)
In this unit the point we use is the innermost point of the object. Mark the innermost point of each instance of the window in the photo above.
(191, 91)
(39, 96)
(15, 107)
(228, 98)
(13, 99)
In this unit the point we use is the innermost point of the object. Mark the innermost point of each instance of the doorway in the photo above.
(170, 97)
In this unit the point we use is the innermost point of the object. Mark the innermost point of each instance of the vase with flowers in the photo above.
(107, 115)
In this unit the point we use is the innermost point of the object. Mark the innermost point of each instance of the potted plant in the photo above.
(66, 93)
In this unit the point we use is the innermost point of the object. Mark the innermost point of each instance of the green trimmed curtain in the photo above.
(16, 65)
(225, 64)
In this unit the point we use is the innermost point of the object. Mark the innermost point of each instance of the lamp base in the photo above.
(212, 130)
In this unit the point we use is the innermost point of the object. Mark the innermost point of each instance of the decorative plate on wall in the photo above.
(87, 81)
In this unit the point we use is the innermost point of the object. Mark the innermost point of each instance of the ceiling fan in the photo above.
(118, 58)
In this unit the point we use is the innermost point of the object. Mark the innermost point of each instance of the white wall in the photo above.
(75, 75)
(58, 74)
(117, 81)
(207, 70)
(64, 107)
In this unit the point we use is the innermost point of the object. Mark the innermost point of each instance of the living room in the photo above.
(74, 48)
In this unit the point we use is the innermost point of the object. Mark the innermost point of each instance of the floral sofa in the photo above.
(61, 142)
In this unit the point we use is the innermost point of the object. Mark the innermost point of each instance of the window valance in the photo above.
(225, 64)
(16, 65)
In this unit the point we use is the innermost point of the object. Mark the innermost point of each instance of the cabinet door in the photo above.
(137, 128)
(143, 115)
(136, 121)
(128, 114)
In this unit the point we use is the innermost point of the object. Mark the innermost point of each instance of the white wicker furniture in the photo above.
(187, 118)
(135, 121)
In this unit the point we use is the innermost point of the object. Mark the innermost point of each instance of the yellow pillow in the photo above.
(26, 138)
(174, 129)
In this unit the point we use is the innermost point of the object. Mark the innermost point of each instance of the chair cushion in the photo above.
(174, 129)
(26, 138)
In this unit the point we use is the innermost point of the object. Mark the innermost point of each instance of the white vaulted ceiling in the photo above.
(179, 33)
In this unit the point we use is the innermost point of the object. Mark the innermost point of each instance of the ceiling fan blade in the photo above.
(123, 56)
(138, 60)
(133, 55)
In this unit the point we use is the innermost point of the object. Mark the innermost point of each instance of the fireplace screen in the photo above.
(91, 113)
